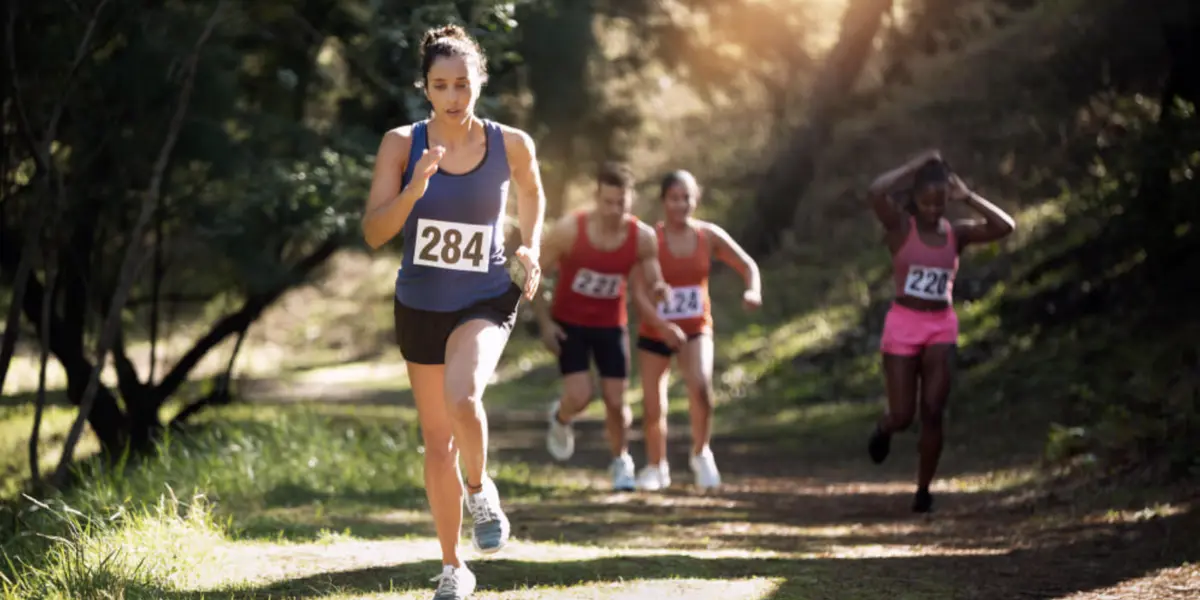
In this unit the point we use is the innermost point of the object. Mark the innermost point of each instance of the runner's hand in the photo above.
(751, 300)
(533, 270)
(662, 292)
(552, 334)
(427, 165)
(928, 155)
(958, 188)
(674, 338)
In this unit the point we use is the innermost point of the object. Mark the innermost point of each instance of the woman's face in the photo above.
(679, 202)
(452, 86)
(930, 201)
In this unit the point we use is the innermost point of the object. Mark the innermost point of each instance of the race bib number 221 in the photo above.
(596, 285)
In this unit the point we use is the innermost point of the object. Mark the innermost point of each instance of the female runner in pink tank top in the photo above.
(920, 332)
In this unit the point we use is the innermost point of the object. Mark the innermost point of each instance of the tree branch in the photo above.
(81, 52)
(133, 259)
(40, 403)
(232, 323)
(128, 382)
(64, 338)
(19, 104)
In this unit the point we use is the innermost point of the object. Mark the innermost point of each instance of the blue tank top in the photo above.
(454, 236)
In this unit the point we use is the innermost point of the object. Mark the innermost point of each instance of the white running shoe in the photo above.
(560, 439)
(705, 469)
(455, 583)
(653, 478)
(622, 473)
(491, 528)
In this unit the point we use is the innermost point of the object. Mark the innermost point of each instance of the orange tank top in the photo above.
(689, 306)
(591, 285)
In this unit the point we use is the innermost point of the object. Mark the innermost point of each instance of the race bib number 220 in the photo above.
(454, 246)
(928, 283)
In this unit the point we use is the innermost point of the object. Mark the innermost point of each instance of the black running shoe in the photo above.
(879, 445)
(923, 501)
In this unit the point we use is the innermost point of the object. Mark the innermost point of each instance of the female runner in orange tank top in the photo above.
(682, 326)
(920, 333)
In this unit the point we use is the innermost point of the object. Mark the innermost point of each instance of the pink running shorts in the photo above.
(906, 331)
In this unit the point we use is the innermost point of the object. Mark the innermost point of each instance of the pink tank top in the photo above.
(923, 271)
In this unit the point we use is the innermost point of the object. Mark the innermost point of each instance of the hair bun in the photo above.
(451, 31)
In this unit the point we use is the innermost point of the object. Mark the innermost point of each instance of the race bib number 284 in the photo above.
(454, 246)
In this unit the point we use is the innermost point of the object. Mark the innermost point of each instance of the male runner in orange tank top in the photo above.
(683, 325)
(594, 251)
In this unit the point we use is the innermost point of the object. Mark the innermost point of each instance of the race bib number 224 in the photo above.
(685, 302)
(454, 246)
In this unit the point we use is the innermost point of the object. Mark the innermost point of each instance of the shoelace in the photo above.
(483, 510)
(447, 582)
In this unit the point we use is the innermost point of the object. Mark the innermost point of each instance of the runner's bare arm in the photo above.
(728, 251)
(879, 193)
(996, 223)
(388, 206)
(647, 253)
(526, 175)
(558, 239)
(642, 300)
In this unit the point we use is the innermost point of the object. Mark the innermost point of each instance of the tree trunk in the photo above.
(790, 175)
(40, 404)
(12, 323)
(65, 334)
(132, 261)
(220, 394)
(232, 323)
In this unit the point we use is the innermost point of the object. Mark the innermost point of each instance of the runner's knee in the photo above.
(653, 408)
(700, 391)
(613, 392)
(577, 389)
(440, 450)
(931, 417)
(901, 420)
(464, 397)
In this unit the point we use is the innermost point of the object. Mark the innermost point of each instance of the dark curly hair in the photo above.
(680, 176)
(933, 172)
(451, 40)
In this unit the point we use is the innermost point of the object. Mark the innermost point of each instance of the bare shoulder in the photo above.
(645, 230)
(647, 239)
(563, 230)
(710, 228)
(516, 140)
(401, 134)
(397, 141)
(719, 239)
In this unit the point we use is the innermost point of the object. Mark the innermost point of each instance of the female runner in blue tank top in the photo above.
(444, 182)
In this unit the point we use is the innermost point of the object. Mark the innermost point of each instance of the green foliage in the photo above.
(1098, 322)
(76, 545)
(264, 154)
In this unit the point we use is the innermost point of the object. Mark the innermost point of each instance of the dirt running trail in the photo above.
(850, 515)
(834, 525)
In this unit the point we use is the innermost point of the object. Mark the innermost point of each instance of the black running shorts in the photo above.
(607, 346)
(422, 334)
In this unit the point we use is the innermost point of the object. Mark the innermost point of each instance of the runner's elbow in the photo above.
(371, 234)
